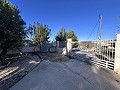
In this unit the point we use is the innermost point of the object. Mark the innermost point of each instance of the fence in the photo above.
(105, 53)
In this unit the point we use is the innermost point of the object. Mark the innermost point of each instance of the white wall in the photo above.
(117, 55)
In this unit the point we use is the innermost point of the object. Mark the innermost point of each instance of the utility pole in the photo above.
(100, 32)
(100, 27)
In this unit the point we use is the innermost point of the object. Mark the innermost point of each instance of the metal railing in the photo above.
(103, 53)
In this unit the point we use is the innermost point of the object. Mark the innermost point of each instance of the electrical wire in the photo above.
(93, 30)
(97, 34)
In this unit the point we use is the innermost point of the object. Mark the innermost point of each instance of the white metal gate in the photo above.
(104, 53)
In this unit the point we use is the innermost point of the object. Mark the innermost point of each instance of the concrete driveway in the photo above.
(69, 75)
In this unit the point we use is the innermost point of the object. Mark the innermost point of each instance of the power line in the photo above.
(93, 30)
(97, 34)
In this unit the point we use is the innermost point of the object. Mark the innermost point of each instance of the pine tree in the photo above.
(11, 28)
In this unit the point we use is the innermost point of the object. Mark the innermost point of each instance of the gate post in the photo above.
(69, 44)
(68, 47)
(58, 43)
(117, 55)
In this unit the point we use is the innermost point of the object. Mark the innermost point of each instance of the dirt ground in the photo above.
(20, 67)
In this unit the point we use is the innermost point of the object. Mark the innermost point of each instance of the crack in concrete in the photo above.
(78, 74)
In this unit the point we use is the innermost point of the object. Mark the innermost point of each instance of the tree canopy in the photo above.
(11, 28)
(72, 35)
(61, 35)
(41, 34)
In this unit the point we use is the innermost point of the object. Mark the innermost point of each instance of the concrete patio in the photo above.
(68, 75)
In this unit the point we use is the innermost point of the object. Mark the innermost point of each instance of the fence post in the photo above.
(106, 64)
(117, 55)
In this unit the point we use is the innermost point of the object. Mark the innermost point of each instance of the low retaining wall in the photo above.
(24, 50)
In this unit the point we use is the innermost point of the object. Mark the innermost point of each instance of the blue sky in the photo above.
(78, 15)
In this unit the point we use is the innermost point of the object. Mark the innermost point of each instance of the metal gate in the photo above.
(104, 53)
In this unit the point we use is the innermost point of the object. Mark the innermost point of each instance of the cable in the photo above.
(97, 34)
(93, 30)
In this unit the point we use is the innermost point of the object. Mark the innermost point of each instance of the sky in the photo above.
(78, 15)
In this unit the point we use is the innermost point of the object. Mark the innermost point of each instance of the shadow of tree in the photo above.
(17, 70)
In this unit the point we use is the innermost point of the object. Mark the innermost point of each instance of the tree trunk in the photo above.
(40, 47)
(2, 56)
(2, 59)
